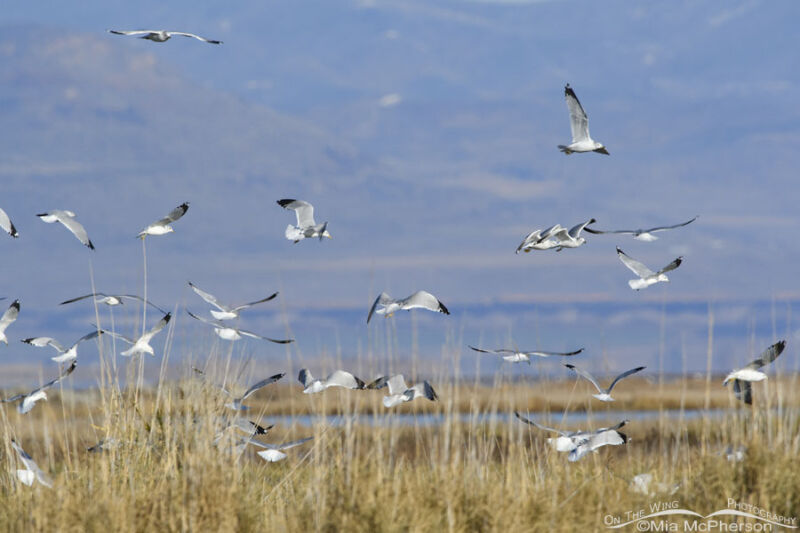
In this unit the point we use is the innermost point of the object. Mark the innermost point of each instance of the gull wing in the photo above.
(424, 300)
(575, 231)
(428, 392)
(214, 323)
(118, 336)
(665, 228)
(61, 376)
(378, 383)
(88, 336)
(672, 266)
(261, 384)
(158, 327)
(31, 465)
(193, 36)
(586, 375)
(345, 379)
(75, 227)
(10, 315)
(7, 225)
(743, 390)
(578, 120)
(769, 355)
(257, 336)
(530, 238)
(635, 266)
(382, 299)
(207, 296)
(139, 298)
(562, 235)
(397, 384)
(614, 427)
(305, 377)
(249, 304)
(287, 445)
(303, 210)
(545, 428)
(132, 32)
(541, 353)
(79, 298)
(624, 375)
(483, 351)
(41, 342)
(173, 215)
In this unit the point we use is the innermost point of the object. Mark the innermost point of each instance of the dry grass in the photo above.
(167, 474)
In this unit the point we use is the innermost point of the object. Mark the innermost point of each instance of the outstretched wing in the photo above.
(545, 428)
(397, 384)
(305, 377)
(193, 36)
(625, 375)
(636, 267)
(61, 376)
(132, 32)
(575, 231)
(7, 225)
(207, 296)
(769, 355)
(257, 336)
(173, 215)
(424, 300)
(743, 390)
(261, 384)
(249, 304)
(578, 120)
(345, 379)
(76, 228)
(541, 353)
(586, 375)
(41, 342)
(10, 315)
(303, 210)
(665, 228)
(139, 298)
(214, 323)
(482, 351)
(161, 324)
(382, 299)
(88, 336)
(672, 266)
(30, 464)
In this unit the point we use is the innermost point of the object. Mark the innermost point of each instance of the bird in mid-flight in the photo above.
(579, 124)
(160, 36)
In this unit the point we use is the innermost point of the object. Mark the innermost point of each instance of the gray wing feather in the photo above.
(261, 384)
(769, 355)
(635, 266)
(586, 375)
(624, 375)
(578, 120)
(545, 428)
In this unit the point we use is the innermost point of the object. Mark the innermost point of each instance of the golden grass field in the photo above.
(468, 473)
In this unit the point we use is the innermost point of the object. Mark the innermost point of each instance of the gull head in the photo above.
(599, 148)
(326, 234)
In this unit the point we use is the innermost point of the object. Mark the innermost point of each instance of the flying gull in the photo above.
(7, 225)
(743, 377)
(518, 356)
(64, 354)
(226, 312)
(604, 394)
(32, 472)
(160, 36)
(141, 345)
(580, 443)
(68, 219)
(274, 452)
(339, 378)
(399, 392)
(579, 124)
(420, 299)
(162, 226)
(646, 276)
(7, 319)
(236, 403)
(29, 400)
(306, 227)
(645, 235)
(231, 333)
(539, 239)
(111, 299)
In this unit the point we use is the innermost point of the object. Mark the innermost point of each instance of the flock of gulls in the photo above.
(577, 443)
